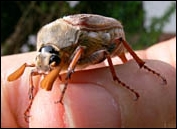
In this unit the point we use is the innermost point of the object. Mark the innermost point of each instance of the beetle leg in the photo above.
(123, 57)
(115, 78)
(30, 93)
(26, 113)
(140, 62)
(76, 57)
(59, 77)
(74, 61)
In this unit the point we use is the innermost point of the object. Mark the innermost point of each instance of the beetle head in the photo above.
(47, 58)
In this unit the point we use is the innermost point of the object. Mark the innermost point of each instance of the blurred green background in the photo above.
(20, 21)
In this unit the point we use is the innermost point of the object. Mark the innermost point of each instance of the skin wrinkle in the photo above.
(6, 104)
(112, 92)
(71, 106)
(80, 82)
(122, 92)
(120, 89)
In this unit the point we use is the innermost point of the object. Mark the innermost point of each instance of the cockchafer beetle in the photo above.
(78, 41)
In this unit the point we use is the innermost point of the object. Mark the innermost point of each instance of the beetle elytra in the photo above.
(78, 41)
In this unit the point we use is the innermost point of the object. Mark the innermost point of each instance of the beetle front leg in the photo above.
(140, 62)
(30, 94)
(74, 60)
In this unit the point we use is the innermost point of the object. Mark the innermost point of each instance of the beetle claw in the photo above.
(59, 101)
(27, 118)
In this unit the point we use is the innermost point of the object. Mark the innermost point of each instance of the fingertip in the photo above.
(89, 105)
(84, 105)
(45, 112)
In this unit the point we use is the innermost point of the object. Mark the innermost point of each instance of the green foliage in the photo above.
(151, 35)
(121, 10)
(21, 19)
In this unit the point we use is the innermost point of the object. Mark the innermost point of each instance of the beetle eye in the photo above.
(55, 58)
(48, 49)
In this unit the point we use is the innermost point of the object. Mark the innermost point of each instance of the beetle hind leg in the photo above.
(123, 57)
(115, 78)
(139, 61)
(155, 73)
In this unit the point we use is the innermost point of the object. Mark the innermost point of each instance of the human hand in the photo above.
(93, 99)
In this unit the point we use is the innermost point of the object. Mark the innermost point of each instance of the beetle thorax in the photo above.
(58, 33)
